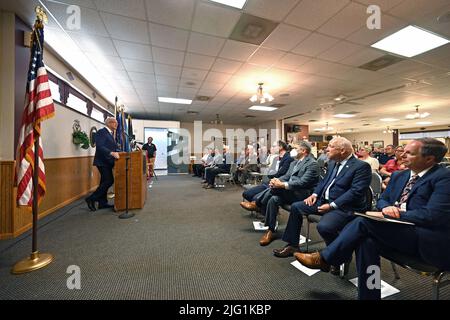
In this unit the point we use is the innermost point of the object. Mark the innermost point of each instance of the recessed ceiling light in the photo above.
(344, 115)
(424, 123)
(174, 100)
(232, 3)
(388, 119)
(263, 108)
(410, 41)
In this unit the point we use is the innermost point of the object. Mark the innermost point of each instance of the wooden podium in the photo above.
(137, 181)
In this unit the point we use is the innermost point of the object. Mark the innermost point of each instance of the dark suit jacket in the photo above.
(302, 179)
(350, 187)
(428, 207)
(105, 144)
(283, 166)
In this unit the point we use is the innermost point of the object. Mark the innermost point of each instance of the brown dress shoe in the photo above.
(285, 252)
(266, 239)
(312, 261)
(250, 206)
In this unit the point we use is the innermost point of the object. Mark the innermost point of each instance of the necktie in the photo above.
(407, 189)
(333, 176)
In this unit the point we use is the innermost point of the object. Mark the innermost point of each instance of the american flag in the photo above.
(38, 107)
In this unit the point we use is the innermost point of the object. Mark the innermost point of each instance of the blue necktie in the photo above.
(333, 175)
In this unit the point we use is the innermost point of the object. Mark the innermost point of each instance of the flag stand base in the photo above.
(126, 215)
(34, 262)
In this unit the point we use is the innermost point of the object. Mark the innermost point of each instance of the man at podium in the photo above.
(104, 159)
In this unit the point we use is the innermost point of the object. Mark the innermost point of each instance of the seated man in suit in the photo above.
(420, 195)
(296, 185)
(337, 196)
(104, 159)
(283, 166)
(224, 167)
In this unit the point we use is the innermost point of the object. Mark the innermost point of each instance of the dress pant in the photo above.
(272, 203)
(368, 238)
(106, 181)
(210, 174)
(251, 194)
(329, 226)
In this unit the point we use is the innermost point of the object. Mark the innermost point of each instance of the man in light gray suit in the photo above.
(296, 185)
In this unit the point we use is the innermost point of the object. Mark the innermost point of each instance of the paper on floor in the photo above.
(386, 289)
(309, 272)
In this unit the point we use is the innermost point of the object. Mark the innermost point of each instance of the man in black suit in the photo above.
(297, 184)
(420, 195)
(104, 159)
(338, 195)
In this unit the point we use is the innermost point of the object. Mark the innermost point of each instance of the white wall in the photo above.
(57, 133)
(370, 136)
(139, 125)
(7, 82)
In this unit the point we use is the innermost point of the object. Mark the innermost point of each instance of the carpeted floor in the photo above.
(187, 243)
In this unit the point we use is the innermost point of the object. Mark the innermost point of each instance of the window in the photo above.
(54, 88)
(77, 104)
(97, 115)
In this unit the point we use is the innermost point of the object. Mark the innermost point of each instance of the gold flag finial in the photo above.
(41, 15)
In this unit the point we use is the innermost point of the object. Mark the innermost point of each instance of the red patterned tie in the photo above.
(407, 189)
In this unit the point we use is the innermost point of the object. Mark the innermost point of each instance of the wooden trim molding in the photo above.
(68, 179)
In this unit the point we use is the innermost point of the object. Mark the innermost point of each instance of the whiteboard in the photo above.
(160, 140)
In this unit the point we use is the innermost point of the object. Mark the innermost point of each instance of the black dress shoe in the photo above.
(285, 252)
(105, 206)
(91, 204)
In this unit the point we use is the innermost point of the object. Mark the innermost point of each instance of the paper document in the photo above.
(309, 272)
(259, 226)
(378, 216)
(386, 289)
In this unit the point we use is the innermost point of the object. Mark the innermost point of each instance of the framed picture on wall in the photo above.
(378, 144)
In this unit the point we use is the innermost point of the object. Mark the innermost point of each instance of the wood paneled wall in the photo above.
(68, 179)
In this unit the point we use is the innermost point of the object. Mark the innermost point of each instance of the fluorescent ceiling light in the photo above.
(263, 108)
(344, 115)
(388, 119)
(410, 41)
(424, 123)
(174, 100)
(232, 3)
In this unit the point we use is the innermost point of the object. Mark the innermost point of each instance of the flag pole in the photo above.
(36, 260)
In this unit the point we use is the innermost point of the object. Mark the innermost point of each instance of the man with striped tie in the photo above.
(421, 196)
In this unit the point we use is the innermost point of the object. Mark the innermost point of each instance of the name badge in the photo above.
(403, 207)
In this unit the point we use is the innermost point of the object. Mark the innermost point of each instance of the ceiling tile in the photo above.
(168, 56)
(385, 5)
(92, 23)
(95, 44)
(291, 61)
(412, 10)
(315, 44)
(214, 20)
(129, 8)
(235, 50)
(362, 57)
(138, 66)
(311, 14)
(174, 13)
(203, 44)
(167, 81)
(285, 37)
(389, 25)
(193, 60)
(125, 28)
(166, 70)
(266, 57)
(226, 66)
(218, 77)
(194, 74)
(82, 3)
(340, 51)
(346, 22)
(141, 77)
(269, 9)
(132, 50)
(168, 37)
(105, 62)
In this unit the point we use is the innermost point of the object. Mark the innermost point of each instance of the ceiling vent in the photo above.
(203, 98)
(252, 29)
(249, 116)
(312, 120)
(192, 112)
(366, 124)
(381, 63)
(278, 105)
(190, 83)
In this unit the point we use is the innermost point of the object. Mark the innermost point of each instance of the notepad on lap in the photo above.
(378, 216)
